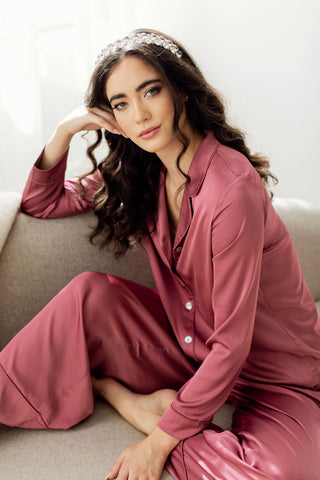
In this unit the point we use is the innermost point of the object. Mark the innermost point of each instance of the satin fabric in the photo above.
(240, 312)
(45, 383)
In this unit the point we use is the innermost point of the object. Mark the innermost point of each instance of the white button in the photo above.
(188, 339)
(189, 305)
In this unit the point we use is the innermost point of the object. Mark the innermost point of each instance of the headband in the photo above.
(136, 39)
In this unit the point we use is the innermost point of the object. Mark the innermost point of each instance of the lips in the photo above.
(149, 132)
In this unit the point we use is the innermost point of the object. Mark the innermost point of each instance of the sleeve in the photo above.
(237, 245)
(48, 195)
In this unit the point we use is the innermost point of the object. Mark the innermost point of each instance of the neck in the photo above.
(169, 157)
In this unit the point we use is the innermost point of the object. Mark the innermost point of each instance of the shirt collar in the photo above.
(200, 163)
(197, 172)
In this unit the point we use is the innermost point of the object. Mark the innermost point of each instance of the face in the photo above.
(142, 105)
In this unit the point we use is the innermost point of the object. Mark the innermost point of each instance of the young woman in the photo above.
(232, 317)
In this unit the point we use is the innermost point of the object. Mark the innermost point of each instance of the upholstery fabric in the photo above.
(38, 259)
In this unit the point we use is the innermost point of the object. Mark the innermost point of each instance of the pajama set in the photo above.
(232, 320)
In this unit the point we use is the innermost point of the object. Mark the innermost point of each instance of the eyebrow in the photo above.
(140, 87)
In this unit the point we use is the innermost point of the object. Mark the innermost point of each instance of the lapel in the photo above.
(197, 172)
(161, 235)
(184, 221)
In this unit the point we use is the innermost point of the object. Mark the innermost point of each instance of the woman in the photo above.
(232, 318)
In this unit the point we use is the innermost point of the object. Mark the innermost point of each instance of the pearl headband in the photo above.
(137, 38)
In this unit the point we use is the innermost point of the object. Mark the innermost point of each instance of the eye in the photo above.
(153, 91)
(119, 106)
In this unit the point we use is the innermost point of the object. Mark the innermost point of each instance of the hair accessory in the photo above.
(136, 38)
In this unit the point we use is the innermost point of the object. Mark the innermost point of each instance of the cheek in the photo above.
(168, 109)
(123, 122)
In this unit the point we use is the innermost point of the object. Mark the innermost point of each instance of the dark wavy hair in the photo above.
(126, 205)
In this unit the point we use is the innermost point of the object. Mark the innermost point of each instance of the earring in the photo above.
(186, 98)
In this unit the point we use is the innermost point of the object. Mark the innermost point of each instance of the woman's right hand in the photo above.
(84, 119)
(80, 119)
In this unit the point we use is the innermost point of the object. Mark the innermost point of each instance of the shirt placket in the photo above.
(187, 299)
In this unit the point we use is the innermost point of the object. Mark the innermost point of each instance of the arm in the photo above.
(237, 244)
(46, 193)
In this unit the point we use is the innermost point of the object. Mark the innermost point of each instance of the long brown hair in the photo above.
(126, 205)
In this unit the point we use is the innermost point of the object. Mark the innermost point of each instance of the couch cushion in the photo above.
(84, 452)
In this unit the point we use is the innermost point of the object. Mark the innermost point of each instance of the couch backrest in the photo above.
(302, 219)
(41, 256)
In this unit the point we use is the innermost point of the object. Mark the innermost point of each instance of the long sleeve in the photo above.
(237, 245)
(48, 195)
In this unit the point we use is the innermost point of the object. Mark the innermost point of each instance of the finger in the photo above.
(107, 114)
(110, 127)
(123, 473)
(118, 131)
(115, 469)
(100, 121)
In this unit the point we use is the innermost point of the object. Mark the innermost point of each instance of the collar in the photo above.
(200, 163)
(197, 172)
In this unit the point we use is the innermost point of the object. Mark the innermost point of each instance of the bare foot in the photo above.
(142, 411)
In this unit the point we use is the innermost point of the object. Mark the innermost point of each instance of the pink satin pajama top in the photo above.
(231, 284)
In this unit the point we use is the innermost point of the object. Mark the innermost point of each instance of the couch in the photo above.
(37, 259)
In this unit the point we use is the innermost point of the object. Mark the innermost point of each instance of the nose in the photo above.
(141, 112)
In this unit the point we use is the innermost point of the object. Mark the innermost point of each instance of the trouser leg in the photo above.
(97, 324)
(275, 436)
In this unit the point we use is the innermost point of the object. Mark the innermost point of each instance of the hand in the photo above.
(82, 119)
(141, 461)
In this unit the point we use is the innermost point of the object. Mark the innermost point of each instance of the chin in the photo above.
(151, 147)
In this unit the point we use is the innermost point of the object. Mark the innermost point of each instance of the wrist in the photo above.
(56, 146)
(63, 132)
(163, 441)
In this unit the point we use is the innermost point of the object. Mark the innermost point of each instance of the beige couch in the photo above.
(37, 259)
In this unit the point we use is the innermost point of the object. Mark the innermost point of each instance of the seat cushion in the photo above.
(84, 452)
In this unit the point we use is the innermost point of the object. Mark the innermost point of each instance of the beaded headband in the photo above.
(137, 38)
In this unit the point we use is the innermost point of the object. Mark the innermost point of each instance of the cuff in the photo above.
(50, 175)
(179, 426)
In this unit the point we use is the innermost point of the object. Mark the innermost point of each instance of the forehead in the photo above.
(128, 74)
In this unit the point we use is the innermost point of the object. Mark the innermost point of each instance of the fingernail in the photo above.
(116, 131)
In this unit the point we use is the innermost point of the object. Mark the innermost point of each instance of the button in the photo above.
(188, 339)
(189, 305)
(178, 249)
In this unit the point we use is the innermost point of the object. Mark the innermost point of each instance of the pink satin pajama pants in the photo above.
(106, 326)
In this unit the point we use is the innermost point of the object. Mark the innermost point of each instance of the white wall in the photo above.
(263, 56)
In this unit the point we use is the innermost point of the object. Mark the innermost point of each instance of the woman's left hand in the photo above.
(140, 461)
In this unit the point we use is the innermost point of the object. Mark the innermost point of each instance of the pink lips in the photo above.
(150, 132)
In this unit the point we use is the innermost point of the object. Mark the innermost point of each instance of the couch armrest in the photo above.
(9, 208)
